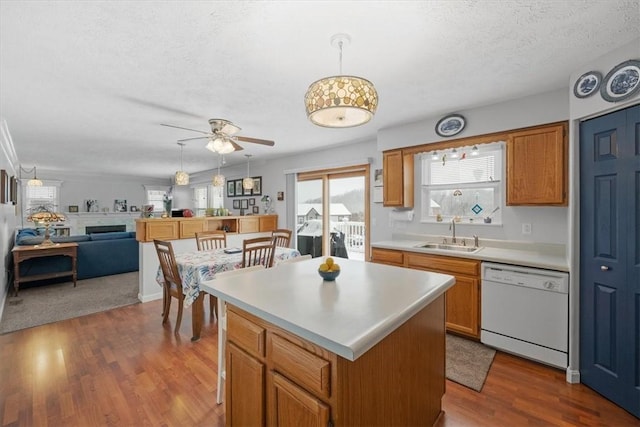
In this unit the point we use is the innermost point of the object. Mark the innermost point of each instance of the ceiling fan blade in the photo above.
(256, 140)
(180, 127)
(236, 146)
(191, 139)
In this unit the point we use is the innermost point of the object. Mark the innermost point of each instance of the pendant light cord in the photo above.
(340, 45)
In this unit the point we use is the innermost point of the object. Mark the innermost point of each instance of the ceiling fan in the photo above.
(222, 138)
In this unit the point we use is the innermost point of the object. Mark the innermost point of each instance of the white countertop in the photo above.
(348, 316)
(529, 256)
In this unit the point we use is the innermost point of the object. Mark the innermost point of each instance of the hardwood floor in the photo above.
(122, 367)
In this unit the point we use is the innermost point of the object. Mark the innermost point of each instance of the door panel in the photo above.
(609, 256)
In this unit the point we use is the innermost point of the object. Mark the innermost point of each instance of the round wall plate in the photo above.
(587, 84)
(622, 82)
(450, 125)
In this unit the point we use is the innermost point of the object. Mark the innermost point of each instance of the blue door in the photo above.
(610, 256)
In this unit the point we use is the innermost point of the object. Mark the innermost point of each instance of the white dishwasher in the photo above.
(525, 311)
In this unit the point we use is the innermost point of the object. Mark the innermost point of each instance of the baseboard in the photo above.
(573, 376)
(149, 298)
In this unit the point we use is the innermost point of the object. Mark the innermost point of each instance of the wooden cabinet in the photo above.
(537, 166)
(148, 229)
(463, 299)
(387, 256)
(277, 378)
(268, 222)
(397, 170)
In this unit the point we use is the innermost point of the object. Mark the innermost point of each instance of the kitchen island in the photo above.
(367, 349)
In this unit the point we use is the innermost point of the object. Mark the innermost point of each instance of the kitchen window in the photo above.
(463, 184)
(207, 196)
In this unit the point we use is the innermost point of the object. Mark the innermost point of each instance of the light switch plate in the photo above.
(526, 228)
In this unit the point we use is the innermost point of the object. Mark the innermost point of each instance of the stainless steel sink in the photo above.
(448, 247)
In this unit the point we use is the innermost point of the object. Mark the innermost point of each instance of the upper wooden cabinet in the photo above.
(537, 166)
(397, 170)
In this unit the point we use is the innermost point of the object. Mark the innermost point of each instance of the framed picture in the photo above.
(4, 186)
(377, 177)
(622, 82)
(92, 205)
(119, 205)
(281, 195)
(239, 189)
(252, 202)
(231, 188)
(73, 208)
(13, 190)
(133, 208)
(236, 204)
(587, 84)
(257, 186)
(256, 210)
(450, 125)
(244, 204)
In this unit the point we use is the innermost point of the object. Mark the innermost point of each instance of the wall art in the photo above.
(622, 82)
(587, 84)
(450, 125)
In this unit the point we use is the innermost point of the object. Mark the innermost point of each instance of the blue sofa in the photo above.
(99, 254)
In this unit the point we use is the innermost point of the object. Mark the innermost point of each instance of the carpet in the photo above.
(50, 303)
(468, 362)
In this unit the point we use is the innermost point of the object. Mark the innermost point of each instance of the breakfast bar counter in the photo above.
(365, 349)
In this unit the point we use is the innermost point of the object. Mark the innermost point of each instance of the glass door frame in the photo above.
(363, 170)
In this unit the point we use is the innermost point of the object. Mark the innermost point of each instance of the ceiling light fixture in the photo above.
(341, 101)
(434, 156)
(454, 154)
(221, 144)
(247, 183)
(34, 182)
(218, 180)
(182, 178)
(475, 151)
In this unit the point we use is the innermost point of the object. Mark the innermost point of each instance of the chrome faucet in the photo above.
(452, 226)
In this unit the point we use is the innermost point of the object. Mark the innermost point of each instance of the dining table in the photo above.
(196, 267)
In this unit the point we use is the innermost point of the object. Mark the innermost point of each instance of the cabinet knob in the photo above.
(604, 268)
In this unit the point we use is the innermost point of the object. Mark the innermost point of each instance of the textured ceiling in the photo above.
(94, 79)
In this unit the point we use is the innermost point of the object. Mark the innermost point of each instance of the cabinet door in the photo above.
(463, 301)
(268, 222)
(245, 400)
(397, 171)
(290, 405)
(537, 167)
(249, 225)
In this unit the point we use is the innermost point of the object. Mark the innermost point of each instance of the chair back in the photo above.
(207, 240)
(168, 264)
(296, 259)
(282, 237)
(260, 250)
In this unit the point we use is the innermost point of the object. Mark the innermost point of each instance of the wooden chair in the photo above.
(282, 237)
(207, 240)
(172, 282)
(222, 327)
(296, 259)
(260, 250)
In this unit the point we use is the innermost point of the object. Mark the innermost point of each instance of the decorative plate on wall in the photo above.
(450, 125)
(587, 84)
(622, 82)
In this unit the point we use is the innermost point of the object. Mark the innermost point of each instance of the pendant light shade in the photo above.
(247, 183)
(218, 180)
(182, 178)
(34, 182)
(341, 101)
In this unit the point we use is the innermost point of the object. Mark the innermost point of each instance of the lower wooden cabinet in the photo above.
(292, 406)
(463, 299)
(244, 388)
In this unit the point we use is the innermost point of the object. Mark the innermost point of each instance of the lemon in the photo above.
(335, 267)
(323, 267)
(329, 261)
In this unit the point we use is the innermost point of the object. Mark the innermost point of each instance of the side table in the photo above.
(23, 253)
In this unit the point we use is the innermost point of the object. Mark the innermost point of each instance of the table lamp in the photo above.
(44, 216)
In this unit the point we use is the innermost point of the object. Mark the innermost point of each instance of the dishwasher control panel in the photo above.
(528, 277)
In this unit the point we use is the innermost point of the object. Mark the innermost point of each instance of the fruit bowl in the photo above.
(329, 275)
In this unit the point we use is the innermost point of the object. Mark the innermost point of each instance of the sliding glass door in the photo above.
(333, 212)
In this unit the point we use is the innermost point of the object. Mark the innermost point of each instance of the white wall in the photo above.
(580, 109)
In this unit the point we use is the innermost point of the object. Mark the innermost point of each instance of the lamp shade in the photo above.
(182, 178)
(341, 101)
(247, 183)
(218, 180)
(220, 145)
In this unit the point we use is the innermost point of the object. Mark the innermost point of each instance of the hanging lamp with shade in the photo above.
(341, 101)
(247, 183)
(33, 182)
(182, 178)
(218, 180)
